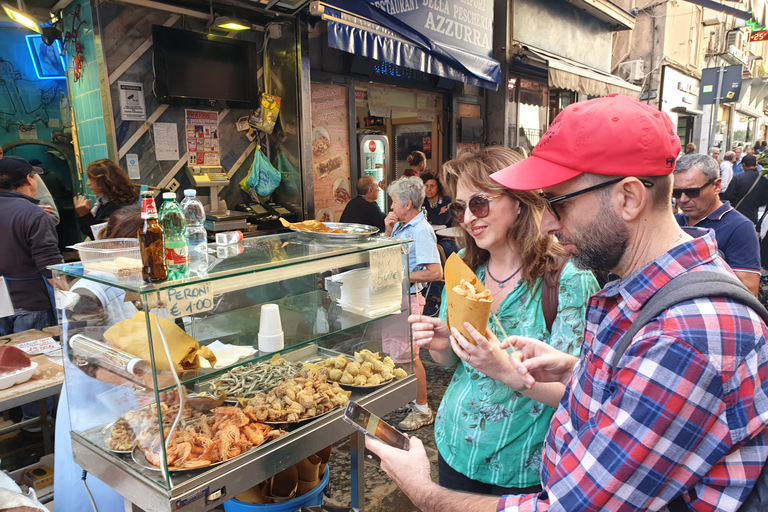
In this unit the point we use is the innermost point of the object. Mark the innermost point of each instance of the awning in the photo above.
(687, 111)
(359, 28)
(748, 111)
(567, 74)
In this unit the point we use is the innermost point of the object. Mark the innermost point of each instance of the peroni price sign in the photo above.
(189, 300)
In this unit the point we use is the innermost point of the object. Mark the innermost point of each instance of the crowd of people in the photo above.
(560, 402)
(579, 409)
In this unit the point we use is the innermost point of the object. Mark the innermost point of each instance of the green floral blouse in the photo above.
(483, 428)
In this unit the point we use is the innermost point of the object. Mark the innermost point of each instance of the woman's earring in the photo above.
(519, 210)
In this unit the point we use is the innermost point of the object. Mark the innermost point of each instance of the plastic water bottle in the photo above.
(229, 237)
(176, 252)
(197, 238)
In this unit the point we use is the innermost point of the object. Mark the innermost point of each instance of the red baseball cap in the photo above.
(614, 136)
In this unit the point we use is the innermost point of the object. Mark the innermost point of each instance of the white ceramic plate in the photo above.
(17, 377)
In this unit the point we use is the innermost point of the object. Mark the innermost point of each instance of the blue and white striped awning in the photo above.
(359, 28)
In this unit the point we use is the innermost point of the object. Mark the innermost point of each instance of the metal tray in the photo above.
(351, 232)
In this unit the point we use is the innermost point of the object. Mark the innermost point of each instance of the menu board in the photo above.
(202, 137)
(330, 150)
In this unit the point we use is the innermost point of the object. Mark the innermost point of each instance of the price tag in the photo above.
(386, 267)
(39, 346)
(189, 300)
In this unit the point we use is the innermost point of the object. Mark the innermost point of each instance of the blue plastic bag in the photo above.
(264, 178)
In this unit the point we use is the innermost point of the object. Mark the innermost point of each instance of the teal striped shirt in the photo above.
(484, 429)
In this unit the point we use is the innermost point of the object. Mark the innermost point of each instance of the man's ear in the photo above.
(630, 197)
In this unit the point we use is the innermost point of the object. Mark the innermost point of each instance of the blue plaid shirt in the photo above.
(686, 412)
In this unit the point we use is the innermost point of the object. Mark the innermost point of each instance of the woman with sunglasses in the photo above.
(489, 429)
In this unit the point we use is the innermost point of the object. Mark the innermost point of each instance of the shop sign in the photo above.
(132, 106)
(467, 24)
(360, 95)
(730, 89)
(688, 87)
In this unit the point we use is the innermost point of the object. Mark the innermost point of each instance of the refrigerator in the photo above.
(374, 161)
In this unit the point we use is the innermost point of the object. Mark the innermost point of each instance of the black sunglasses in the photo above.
(550, 202)
(479, 205)
(691, 193)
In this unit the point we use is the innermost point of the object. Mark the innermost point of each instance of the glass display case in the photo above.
(133, 345)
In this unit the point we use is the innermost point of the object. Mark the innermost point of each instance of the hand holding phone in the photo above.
(370, 424)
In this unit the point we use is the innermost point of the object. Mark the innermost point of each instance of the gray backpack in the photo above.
(688, 286)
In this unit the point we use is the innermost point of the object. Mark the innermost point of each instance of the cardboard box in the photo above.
(38, 477)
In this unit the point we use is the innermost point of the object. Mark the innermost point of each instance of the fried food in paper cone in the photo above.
(468, 300)
(131, 336)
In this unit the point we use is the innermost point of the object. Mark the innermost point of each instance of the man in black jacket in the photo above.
(30, 244)
(748, 191)
(363, 208)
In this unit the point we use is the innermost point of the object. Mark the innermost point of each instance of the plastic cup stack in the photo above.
(270, 329)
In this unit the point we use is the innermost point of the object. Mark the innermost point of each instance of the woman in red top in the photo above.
(418, 162)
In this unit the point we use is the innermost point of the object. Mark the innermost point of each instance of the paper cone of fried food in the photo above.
(468, 300)
(131, 336)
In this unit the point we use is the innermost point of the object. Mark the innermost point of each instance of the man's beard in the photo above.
(601, 244)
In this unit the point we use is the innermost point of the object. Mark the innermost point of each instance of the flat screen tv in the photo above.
(196, 66)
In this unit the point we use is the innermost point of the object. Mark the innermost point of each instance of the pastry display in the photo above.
(297, 399)
(366, 369)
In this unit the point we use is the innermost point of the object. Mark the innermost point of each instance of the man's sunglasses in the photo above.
(691, 193)
(550, 202)
(479, 205)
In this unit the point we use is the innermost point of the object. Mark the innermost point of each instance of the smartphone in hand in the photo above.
(370, 424)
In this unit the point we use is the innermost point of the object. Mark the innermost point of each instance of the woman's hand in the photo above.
(539, 362)
(389, 223)
(443, 210)
(82, 205)
(429, 332)
(488, 356)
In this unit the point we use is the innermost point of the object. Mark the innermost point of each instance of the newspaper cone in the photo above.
(460, 308)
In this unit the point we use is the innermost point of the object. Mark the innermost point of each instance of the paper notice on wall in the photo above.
(379, 102)
(426, 115)
(425, 101)
(166, 141)
(28, 132)
(202, 137)
(132, 166)
(132, 101)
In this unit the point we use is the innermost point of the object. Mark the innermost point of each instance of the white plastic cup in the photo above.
(270, 329)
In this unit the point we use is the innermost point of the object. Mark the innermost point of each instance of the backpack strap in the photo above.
(688, 286)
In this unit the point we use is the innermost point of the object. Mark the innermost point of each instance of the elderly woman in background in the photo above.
(113, 190)
(489, 428)
(406, 221)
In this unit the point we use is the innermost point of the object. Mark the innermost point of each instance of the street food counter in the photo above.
(41, 382)
(186, 393)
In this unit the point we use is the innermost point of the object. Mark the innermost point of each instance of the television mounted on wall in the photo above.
(193, 66)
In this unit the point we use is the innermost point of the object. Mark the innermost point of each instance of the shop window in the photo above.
(684, 130)
(559, 99)
(743, 130)
(528, 120)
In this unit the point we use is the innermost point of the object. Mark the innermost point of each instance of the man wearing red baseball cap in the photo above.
(678, 420)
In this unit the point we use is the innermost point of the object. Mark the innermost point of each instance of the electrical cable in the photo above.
(90, 496)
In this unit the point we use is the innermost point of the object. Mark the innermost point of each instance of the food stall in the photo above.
(338, 296)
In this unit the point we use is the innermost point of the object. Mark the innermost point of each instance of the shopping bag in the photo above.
(264, 178)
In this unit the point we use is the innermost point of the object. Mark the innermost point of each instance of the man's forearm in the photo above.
(433, 498)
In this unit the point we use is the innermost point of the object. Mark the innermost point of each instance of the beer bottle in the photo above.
(151, 242)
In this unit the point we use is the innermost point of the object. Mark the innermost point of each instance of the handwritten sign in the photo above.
(189, 300)
(386, 267)
(39, 346)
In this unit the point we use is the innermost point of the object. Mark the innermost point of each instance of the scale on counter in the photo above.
(212, 176)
